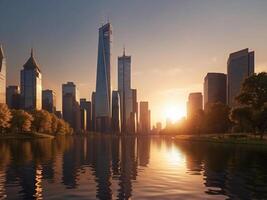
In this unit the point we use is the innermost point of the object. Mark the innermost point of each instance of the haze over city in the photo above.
(173, 44)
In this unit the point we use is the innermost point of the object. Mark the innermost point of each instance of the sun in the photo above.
(173, 112)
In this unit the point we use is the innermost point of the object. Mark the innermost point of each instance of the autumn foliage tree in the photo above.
(5, 117)
(21, 121)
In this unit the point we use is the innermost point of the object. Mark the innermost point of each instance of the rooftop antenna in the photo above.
(124, 50)
(32, 52)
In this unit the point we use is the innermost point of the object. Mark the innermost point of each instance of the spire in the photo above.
(123, 50)
(32, 52)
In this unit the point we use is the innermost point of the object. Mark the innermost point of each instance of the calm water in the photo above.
(130, 168)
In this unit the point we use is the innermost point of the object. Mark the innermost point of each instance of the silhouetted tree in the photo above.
(242, 117)
(217, 118)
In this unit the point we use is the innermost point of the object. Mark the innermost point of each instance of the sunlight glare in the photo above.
(174, 113)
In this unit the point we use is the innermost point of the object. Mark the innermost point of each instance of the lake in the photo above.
(106, 167)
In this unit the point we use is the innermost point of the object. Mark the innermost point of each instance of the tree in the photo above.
(242, 116)
(21, 121)
(54, 123)
(5, 117)
(254, 91)
(217, 118)
(42, 121)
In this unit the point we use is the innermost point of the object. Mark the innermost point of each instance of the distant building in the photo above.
(214, 88)
(83, 119)
(240, 65)
(31, 85)
(49, 101)
(134, 113)
(13, 96)
(144, 120)
(103, 87)
(70, 106)
(86, 105)
(115, 121)
(2, 76)
(195, 103)
(93, 112)
(158, 126)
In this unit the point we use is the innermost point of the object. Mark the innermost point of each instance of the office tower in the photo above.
(2, 76)
(86, 105)
(115, 121)
(194, 104)
(124, 88)
(134, 113)
(240, 65)
(83, 119)
(144, 120)
(49, 101)
(13, 96)
(70, 106)
(214, 88)
(103, 87)
(31, 85)
(93, 112)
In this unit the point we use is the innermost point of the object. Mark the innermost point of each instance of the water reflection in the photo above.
(107, 167)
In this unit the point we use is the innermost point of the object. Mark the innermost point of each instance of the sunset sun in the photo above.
(174, 112)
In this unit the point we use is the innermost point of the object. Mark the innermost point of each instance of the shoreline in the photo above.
(19, 136)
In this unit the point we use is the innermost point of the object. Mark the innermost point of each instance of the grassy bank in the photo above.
(226, 138)
(25, 136)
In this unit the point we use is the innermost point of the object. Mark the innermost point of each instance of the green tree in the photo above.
(42, 121)
(54, 123)
(5, 117)
(254, 91)
(243, 118)
(21, 121)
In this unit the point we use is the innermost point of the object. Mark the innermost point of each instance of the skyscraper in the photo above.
(115, 122)
(214, 88)
(13, 96)
(144, 120)
(86, 105)
(240, 65)
(49, 100)
(31, 85)
(194, 104)
(93, 112)
(103, 87)
(2, 76)
(124, 88)
(70, 106)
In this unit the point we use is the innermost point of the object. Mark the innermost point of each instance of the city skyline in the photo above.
(172, 93)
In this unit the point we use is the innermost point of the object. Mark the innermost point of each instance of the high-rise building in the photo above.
(103, 87)
(13, 96)
(214, 88)
(134, 113)
(144, 120)
(86, 105)
(240, 65)
(70, 106)
(93, 112)
(2, 76)
(194, 104)
(31, 85)
(124, 88)
(49, 101)
(116, 122)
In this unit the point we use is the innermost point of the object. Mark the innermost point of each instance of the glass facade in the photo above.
(2, 76)
(103, 87)
(31, 85)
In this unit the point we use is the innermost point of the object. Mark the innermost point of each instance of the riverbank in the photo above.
(226, 138)
(25, 136)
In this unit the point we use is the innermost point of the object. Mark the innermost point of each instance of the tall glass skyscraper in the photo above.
(240, 65)
(2, 76)
(31, 85)
(103, 87)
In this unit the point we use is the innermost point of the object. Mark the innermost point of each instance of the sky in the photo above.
(173, 43)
